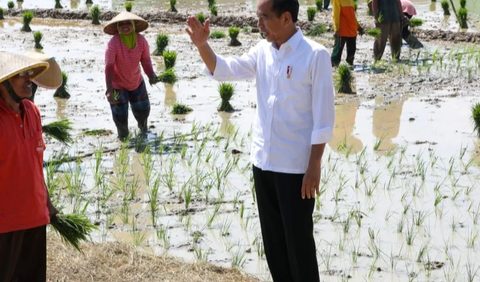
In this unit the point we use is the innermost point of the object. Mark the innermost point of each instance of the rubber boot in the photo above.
(413, 42)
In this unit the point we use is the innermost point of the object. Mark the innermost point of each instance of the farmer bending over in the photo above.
(294, 120)
(409, 11)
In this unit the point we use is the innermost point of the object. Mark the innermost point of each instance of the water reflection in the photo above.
(433, 6)
(386, 121)
(20, 5)
(74, 4)
(61, 107)
(170, 96)
(226, 123)
(343, 139)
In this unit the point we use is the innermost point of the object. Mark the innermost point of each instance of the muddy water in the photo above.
(380, 183)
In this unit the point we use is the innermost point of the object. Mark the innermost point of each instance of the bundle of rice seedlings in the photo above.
(201, 17)
(73, 229)
(168, 76)
(374, 32)
(21, 1)
(172, 6)
(37, 37)
(169, 59)
(344, 80)
(89, 2)
(58, 5)
(233, 32)
(62, 91)
(180, 109)
(319, 4)
(214, 10)
(211, 3)
(1, 14)
(446, 8)
(128, 6)
(355, 5)
(226, 91)
(95, 13)
(59, 130)
(218, 34)
(11, 5)
(463, 18)
(413, 23)
(317, 30)
(463, 3)
(27, 18)
(161, 42)
(476, 118)
(311, 13)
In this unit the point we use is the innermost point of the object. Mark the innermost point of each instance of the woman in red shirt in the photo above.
(125, 51)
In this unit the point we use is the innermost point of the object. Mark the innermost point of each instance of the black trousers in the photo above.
(405, 30)
(23, 255)
(338, 50)
(287, 226)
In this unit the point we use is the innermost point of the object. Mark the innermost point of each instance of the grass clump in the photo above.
(169, 58)
(413, 23)
(11, 5)
(201, 18)
(128, 6)
(476, 118)
(172, 6)
(97, 132)
(317, 30)
(95, 13)
(214, 10)
(27, 19)
(374, 32)
(218, 34)
(161, 42)
(59, 130)
(58, 5)
(319, 4)
(463, 17)
(226, 91)
(345, 79)
(62, 92)
(446, 8)
(180, 109)
(311, 13)
(1, 14)
(211, 3)
(233, 32)
(37, 37)
(168, 76)
(73, 229)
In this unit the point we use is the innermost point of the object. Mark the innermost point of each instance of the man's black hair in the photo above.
(282, 6)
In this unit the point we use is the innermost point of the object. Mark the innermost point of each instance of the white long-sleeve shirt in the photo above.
(295, 100)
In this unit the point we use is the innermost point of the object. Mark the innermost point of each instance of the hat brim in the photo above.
(111, 27)
(52, 78)
(12, 64)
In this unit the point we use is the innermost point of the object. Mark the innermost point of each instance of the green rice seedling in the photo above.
(472, 238)
(180, 109)
(161, 42)
(95, 14)
(59, 130)
(463, 3)
(37, 37)
(169, 59)
(199, 255)
(446, 8)
(311, 13)
(58, 5)
(218, 35)
(62, 92)
(472, 270)
(233, 32)
(10, 5)
(138, 236)
(211, 3)
(225, 228)
(326, 258)
(319, 4)
(463, 17)
(128, 6)
(226, 90)
(73, 229)
(373, 32)
(168, 76)
(1, 14)
(410, 236)
(239, 259)
(344, 79)
(214, 10)
(201, 17)
(476, 118)
(211, 216)
(172, 6)
(27, 19)
(413, 23)
(89, 2)
(317, 30)
(419, 217)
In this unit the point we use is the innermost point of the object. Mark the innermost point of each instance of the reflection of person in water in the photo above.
(386, 121)
(170, 95)
(344, 125)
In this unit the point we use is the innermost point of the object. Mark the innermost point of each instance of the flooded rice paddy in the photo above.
(400, 195)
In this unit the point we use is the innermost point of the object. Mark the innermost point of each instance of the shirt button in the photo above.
(21, 125)
(16, 115)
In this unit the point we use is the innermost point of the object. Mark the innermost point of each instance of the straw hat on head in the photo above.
(52, 78)
(12, 64)
(140, 24)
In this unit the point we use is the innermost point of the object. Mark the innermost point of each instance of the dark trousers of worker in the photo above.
(326, 3)
(140, 103)
(391, 32)
(287, 226)
(340, 43)
(23, 255)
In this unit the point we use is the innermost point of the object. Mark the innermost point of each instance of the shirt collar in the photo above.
(293, 42)
(6, 108)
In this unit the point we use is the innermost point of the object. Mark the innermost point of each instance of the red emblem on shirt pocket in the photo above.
(289, 71)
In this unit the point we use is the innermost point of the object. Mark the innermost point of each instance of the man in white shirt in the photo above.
(294, 119)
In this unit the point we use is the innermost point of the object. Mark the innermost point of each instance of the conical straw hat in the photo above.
(140, 24)
(52, 78)
(12, 64)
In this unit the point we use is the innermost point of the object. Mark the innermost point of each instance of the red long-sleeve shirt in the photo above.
(125, 62)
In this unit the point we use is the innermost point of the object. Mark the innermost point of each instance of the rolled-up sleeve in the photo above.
(323, 97)
(235, 68)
